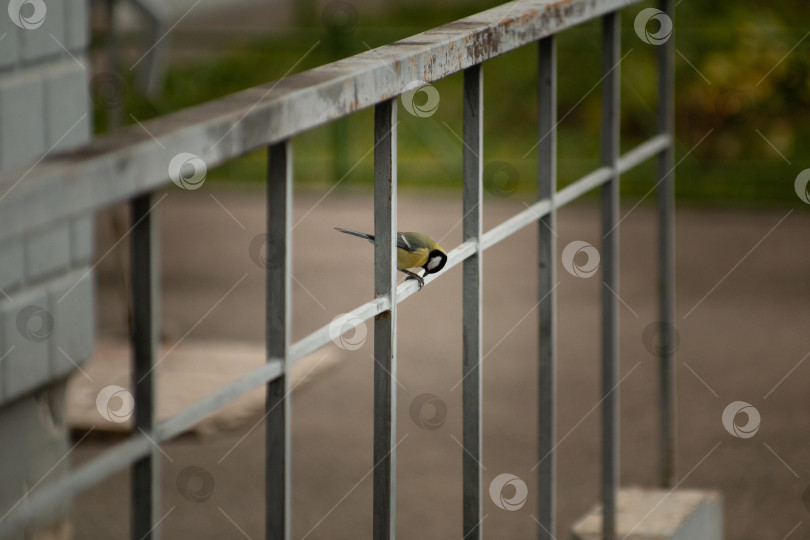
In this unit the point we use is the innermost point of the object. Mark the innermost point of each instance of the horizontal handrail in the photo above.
(136, 447)
(370, 309)
(129, 162)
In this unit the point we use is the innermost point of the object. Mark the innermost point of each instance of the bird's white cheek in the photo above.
(433, 263)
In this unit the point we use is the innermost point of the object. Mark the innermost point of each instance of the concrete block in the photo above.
(82, 239)
(22, 122)
(48, 38)
(47, 251)
(67, 100)
(11, 265)
(77, 34)
(72, 303)
(27, 327)
(651, 514)
(10, 44)
(33, 452)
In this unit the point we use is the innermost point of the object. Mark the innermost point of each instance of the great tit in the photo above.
(413, 250)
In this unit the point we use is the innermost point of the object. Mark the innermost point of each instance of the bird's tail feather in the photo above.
(369, 237)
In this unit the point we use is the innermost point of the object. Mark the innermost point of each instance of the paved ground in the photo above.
(742, 313)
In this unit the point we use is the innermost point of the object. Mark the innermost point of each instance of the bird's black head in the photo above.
(435, 262)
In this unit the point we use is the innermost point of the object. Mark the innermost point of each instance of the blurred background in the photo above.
(734, 78)
(742, 96)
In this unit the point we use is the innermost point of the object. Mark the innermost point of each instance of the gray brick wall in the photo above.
(46, 280)
(47, 318)
(44, 99)
(44, 108)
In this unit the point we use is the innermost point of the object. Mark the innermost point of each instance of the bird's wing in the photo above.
(411, 242)
(405, 241)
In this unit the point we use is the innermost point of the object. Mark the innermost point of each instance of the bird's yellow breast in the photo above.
(411, 259)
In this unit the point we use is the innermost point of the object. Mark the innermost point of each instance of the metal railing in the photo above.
(271, 115)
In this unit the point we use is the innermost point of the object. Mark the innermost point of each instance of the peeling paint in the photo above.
(227, 128)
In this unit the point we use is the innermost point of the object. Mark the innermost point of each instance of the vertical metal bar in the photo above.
(471, 455)
(547, 277)
(278, 323)
(385, 324)
(144, 339)
(666, 244)
(610, 273)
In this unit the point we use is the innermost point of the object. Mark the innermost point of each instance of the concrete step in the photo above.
(654, 514)
(188, 372)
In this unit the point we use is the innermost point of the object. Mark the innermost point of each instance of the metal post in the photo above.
(144, 339)
(666, 243)
(471, 455)
(278, 311)
(547, 276)
(610, 272)
(385, 324)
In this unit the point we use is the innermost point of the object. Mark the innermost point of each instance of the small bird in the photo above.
(413, 250)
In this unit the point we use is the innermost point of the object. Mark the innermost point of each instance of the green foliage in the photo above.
(739, 94)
